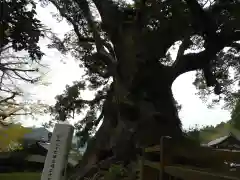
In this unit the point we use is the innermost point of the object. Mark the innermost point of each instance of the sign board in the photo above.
(57, 156)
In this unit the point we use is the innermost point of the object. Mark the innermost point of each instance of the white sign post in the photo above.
(57, 156)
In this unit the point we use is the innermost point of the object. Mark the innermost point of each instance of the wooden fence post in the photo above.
(142, 164)
(161, 159)
(162, 156)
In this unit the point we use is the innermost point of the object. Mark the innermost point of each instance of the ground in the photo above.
(20, 176)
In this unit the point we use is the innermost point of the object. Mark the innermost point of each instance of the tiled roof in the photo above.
(217, 141)
(37, 134)
(221, 139)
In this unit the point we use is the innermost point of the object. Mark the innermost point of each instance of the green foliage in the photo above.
(235, 115)
(11, 136)
(20, 29)
(20, 176)
(118, 171)
(115, 172)
(68, 102)
(194, 133)
(131, 49)
(20, 55)
(208, 133)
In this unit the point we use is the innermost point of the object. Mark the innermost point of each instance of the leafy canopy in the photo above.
(125, 51)
(20, 54)
(235, 116)
(20, 29)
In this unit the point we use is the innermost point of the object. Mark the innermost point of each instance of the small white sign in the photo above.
(57, 156)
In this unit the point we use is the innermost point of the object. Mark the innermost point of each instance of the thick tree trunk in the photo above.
(153, 115)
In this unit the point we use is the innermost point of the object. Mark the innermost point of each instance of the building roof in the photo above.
(37, 134)
(221, 139)
(217, 141)
(33, 156)
(42, 135)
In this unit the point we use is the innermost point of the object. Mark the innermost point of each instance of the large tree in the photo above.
(124, 48)
(235, 116)
(20, 55)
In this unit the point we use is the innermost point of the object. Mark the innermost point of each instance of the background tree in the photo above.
(124, 48)
(235, 116)
(11, 137)
(208, 133)
(20, 55)
(194, 133)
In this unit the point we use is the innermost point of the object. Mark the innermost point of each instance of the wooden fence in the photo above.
(166, 169)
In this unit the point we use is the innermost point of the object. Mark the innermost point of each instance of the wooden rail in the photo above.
(200, 153)
(195, 154)
(187, 173)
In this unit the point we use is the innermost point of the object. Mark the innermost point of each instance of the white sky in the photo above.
(194, 111)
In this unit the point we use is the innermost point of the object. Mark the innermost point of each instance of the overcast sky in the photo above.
(194, 111)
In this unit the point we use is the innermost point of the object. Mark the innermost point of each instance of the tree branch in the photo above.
(235, 45)
(201, 61)
(108, 58)
(14, 57)
(8, 98)
(1, 79)
(201, 17)
(97, 121)
(20, 114)
(13, 63)
(99, 118)
(5, 48)
(109, 12)
(3, 68)
(84, 6)
(198, 62)
(191, 62)
(8, 91)
(25, 79)
(90, 102)
(75, 26)
(185, 44)
(4, 115)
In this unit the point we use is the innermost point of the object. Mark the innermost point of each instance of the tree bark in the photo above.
(134, 63)
(153, 115)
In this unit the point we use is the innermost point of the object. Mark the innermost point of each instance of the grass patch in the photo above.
(20, 176)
